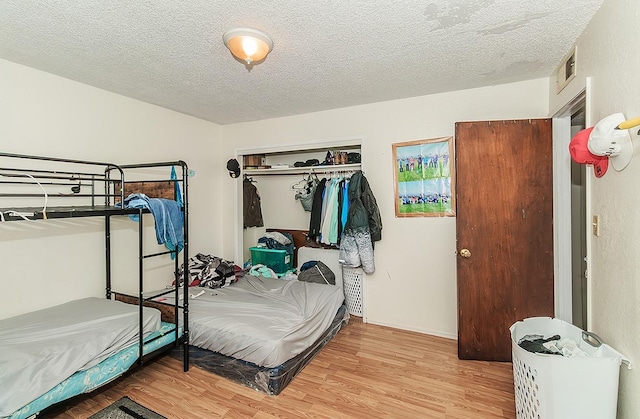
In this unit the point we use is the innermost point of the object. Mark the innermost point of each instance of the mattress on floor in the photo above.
(263, 321)
(41, 349)
(267, 380)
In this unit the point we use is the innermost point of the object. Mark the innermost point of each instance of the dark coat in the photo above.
(363, 227)
(252, 211)
(364, 214)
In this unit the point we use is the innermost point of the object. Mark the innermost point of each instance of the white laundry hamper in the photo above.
(554, 386)
(352, 279)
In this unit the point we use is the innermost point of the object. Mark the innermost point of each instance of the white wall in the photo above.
(49, 262)
(608, 55)
(414, 286)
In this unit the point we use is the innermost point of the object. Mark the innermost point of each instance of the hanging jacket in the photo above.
(363, 227)
(316, 211)
(329, 229)
(373, 212)
(252, 211)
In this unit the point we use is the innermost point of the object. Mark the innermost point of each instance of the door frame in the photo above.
(562, 206)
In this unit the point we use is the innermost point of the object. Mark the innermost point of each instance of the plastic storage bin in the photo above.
(277, 259)
(554, 386)
(352, 280)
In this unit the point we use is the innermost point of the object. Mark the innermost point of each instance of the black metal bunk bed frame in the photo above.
(113, 193)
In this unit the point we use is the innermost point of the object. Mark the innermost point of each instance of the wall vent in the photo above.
(566, 70)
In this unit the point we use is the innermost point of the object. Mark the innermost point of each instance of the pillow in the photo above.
(318, 272)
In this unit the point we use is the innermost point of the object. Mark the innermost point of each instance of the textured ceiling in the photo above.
(327, 54)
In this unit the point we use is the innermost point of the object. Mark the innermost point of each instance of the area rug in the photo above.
(125, 408)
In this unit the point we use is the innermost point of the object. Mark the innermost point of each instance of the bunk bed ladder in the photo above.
(107, 236)
(141, 284)
(185, 250)
(185, 254)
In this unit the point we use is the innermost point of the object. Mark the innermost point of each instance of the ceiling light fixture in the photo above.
(248, 45)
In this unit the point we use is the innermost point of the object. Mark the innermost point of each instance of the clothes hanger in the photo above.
(300, 185)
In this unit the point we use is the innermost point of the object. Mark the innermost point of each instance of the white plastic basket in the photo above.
(554, 386)
(352, 279)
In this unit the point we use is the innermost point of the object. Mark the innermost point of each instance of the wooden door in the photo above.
(504, 222)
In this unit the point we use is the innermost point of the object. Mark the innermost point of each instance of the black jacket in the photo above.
(252, 210)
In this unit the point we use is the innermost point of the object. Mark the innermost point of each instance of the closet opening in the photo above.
(281, 172)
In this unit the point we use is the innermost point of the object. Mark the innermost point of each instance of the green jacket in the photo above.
(364, 215)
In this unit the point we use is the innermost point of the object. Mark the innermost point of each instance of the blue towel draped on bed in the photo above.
(168, 216)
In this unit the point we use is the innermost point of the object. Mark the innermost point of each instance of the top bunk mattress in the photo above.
(40, 349)
(260, 320)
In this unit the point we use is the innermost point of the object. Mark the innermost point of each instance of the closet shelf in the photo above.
(305, 169)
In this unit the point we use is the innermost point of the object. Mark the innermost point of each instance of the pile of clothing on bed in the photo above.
(215, 272)
(209, 271)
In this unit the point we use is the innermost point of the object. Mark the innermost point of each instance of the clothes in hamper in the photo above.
(555, 345)
(535, 343)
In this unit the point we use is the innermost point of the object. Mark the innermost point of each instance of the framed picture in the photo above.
(424, 178)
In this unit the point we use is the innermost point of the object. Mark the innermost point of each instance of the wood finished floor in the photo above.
(366, 371)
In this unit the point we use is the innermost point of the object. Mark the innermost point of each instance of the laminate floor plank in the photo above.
(366, 371)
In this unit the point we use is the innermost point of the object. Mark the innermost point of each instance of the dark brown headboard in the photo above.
(167, 312)
(300, 239)
(153, 189)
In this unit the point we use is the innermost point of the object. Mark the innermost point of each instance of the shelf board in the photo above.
(306, 169)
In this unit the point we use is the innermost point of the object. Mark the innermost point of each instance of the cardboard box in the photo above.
(255, 160)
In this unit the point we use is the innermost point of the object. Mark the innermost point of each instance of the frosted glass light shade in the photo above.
(248, 45)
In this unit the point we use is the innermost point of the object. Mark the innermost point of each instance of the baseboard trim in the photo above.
(414, 329)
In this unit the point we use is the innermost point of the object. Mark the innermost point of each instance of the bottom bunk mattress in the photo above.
(270, 380)
(42, 350)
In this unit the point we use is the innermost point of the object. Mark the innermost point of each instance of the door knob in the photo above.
(465, 253)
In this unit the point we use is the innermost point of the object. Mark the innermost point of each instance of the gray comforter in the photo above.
(40, 349)
(262, 320)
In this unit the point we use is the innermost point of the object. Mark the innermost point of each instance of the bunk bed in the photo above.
(53, 354)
